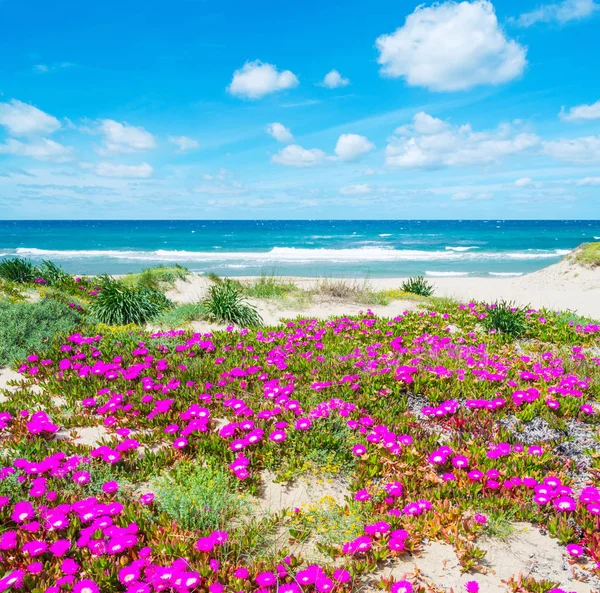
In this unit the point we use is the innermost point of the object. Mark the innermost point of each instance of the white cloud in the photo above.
(257, 79)
(453, 145)
(350, 147)
(589, 181)
(41, 150)
(451, 47)
(579, 151)
(280, 132)
(524, 182)
(184, 143)
(124, 138)
(561, 13)
(21, 119)
(296, 156)
(463, 196)
(119, 170)
(356, 190)
(581, 112)
(333, 80)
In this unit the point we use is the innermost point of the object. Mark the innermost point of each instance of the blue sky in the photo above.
(200, 109)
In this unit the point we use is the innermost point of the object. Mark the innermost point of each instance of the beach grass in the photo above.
(588, 254)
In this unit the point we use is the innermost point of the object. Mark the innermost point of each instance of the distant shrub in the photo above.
(118, 304)
(587, 254)
(197, 497)
(505, 317)
(268, 287)
(158, 277)
(225, 302)
(28, 327)
(418, 286)
(19, 270)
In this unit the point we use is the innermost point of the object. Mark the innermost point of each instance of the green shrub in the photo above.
(118, 304)
(197, 497)
(268, 287)
(17, 269)
(225, 302)
(418, 286)
(29, 327)
(180, 315)
(506, 318)
(158, 277)
(587, 254)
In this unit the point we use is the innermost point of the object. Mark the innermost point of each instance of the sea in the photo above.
(322, 248)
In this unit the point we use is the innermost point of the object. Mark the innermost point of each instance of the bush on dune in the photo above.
(158, 277)
(418, 286)
(118, 304)
(588, 255)
(25, 327)
(225, 302)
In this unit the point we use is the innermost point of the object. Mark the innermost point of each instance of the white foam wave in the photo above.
(505, 274)
(461, 248)
(385, 235)
(293, 254)
(446, 274)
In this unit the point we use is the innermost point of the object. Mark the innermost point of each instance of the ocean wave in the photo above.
(505, 274)
(445, 274)
(293, 254)
(461, 248)
(385, 235)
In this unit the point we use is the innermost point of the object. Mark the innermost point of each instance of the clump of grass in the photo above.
(198, 497)
(19, 270)
(269, 287)
(225, 302)
(118, 304)
(506, 318)
(214, 278)
(418, 286)
(180, 315)
(28, 327)
(588, 254)
(158, 277)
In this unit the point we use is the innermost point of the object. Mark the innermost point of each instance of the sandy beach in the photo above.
(563, 286)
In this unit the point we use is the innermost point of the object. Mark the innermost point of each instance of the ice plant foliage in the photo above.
(429, 426)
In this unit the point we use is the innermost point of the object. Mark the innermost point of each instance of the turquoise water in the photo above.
(300, 248)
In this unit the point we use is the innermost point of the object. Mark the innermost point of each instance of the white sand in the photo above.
(562, 286)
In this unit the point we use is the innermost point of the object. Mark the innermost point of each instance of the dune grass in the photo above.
(588, 255)
(157, 277)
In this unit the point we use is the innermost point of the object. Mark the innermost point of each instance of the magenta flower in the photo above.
(472, 587)
(574, 550)
(359, 450)
(401, 587)
(86, 586)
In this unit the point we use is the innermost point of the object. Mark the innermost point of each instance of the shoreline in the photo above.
(564, 286)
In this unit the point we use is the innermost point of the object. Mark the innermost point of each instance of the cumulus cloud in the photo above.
(561, 13)
(589, 181)
(119, 170)
(21, 119)
(578, 151)
(184, 143)
(453, 145)
(124, 138)
(280, 132)
(296, 156)
(350, 147)
(581, 112)
(41, 150)
(451, 47)
(356, 190)
(333, 80)
(462, 196)
(524, 182)
(256, 79)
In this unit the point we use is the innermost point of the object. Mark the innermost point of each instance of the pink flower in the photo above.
(359, 450)
(401, 587)
(574, 550)
(472, 586)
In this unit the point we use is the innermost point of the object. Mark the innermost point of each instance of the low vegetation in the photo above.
(418, 286)
(588, 255)
(226, 303)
